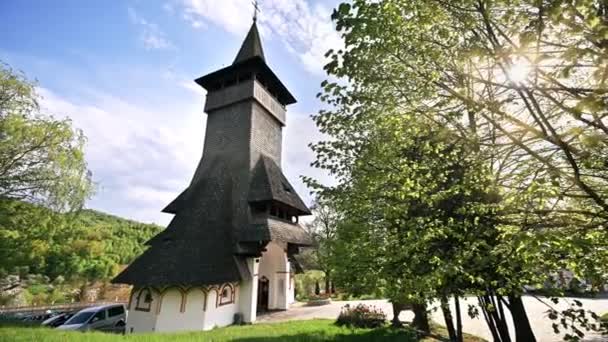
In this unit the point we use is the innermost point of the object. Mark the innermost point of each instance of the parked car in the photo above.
(109, 318)
(57, 320)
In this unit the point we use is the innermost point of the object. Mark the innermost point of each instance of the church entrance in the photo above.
(263, 285)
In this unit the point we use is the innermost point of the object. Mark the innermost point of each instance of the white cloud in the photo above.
(299, 132)
(169, 8)
(140, 160)
(151, 36)
(154, 41)
(193, 87)
(306, 31)
(230, 14)
(149, 194)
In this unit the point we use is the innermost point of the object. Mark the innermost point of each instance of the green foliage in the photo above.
(361, 316)
(305, 283)
(494, 71)
(86, 245)
(572, 319)
(41, 158)
(40, 294)
(323, 231)
(469, 142)
(414, 197)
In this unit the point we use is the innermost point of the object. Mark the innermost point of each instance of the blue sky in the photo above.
(123, 72)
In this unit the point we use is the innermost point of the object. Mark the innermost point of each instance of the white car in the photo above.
(109, 318)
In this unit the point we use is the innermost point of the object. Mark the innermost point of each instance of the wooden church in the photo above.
(228, 253)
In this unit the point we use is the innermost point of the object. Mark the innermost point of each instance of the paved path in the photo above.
(535, 309)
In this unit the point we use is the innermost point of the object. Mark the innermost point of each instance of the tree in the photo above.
(424, 218)
(41, 158)
(83, 247)
(524, 83)
(323, 229)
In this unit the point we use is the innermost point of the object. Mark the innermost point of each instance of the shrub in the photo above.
(305, 283)
(361, 316)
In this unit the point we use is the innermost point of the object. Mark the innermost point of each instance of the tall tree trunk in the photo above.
(327, 284)
(397, 308)
(458, 320)
(501, 322)
(523, 330)
(489, 320)
(447, 316)
(421, 318)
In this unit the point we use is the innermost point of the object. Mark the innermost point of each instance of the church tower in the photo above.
(228, 252)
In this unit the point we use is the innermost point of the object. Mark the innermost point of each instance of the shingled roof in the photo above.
(250, 59)
(251, 47)
(269, 184)
(275, 230)
(197, 246)
(177, 203)
(213, 230)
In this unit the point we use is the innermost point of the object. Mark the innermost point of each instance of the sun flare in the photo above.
(519, 71)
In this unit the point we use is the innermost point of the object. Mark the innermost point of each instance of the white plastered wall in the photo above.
(248, 292)
(222, 315)
(141, 321)
(275, 266)
(169, 318)
(291, 293)
(193, 316)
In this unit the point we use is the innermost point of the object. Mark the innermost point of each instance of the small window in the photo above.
(144, 300)
(116, 311)
(286, 187)
(226, 295)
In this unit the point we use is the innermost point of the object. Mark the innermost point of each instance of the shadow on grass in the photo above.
(383, 334)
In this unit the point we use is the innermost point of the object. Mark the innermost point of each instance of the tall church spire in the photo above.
(249, 63)
(251, 47)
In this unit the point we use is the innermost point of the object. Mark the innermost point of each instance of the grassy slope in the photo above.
(314, 330)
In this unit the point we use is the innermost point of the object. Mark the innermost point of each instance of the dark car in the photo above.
(58, 320)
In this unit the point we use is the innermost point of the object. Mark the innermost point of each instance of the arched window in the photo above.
(144, 300)
(226, 295)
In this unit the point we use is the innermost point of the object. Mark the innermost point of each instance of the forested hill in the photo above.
(88, 245)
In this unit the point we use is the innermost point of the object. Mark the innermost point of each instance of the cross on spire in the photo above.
(256, 9)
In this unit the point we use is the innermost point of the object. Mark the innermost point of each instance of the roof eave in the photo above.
(285, 97)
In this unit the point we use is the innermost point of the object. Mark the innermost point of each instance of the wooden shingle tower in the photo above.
(229, 248)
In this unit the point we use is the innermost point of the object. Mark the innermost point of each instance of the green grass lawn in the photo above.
(314, 330)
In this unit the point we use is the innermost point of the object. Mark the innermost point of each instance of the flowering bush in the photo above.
(361, 316)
